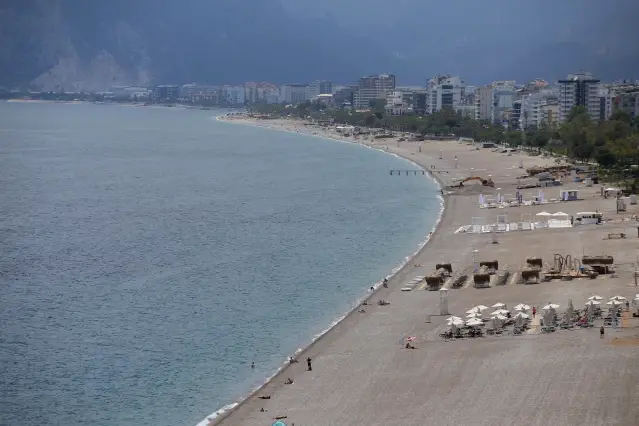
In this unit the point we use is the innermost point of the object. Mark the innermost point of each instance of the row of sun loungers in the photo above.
(414, 283)
(513, 226)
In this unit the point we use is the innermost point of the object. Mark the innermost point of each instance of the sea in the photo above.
(149, 255)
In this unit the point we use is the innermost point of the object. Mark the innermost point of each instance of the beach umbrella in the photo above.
(592, 303)
(560, 214)
(499, 317)
(474, 322)
(522, 307)
(596, 298)
(453, 317)
(482, 308)
(522, 315)
(543, 214)
(472, 311)
(618, 298)
(499, 305)
(614, 302)
(550, 306)
(500, 312)
(474, 315)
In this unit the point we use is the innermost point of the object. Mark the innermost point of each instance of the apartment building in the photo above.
(294, 93)
(484, 103)
(532, 107)
(344, 97)
(579, 90)
(504, 94)
(371, 88)
(232, 95)
(626, 99)
(320, 87)
(443, 92)
(165, 93)
(398, 103)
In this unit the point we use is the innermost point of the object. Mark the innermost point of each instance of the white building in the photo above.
(443, 92)
(396, 103)
(294, 93)
(484, 103)
(532, 108)
(579, 90)
(372, 88)
(233, 95)
(504, 94)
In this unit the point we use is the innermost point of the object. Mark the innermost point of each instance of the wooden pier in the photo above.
(407, 172)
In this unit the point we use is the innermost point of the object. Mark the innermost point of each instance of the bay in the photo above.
(149, 255)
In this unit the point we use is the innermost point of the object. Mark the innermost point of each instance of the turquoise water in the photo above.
(149, 255)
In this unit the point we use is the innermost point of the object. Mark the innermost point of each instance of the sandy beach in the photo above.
(362, 374)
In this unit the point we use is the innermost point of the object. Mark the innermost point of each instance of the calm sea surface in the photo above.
(149, 255)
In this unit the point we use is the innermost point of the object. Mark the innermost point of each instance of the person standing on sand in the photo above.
(534, 311)
(601, 332)
(308, 362)
(253, 365)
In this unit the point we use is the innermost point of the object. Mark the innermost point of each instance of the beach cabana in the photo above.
(522, 307)
(568, 195)
(543, 214)
(560, 215)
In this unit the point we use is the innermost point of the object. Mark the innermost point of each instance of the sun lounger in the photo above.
(407, 289)
(526, 226)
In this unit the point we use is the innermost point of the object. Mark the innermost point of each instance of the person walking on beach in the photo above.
(308, 362)
(601, 332)
(534, 311)
(253, 365)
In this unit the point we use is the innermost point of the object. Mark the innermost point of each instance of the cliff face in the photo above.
(90, 45)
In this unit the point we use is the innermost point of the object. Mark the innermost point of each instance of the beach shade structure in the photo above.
(560, 214)
(543, 214)
(499, 305)
(474, 322)
(472, 311)
(592, 303)
(520, 318)
(522, 307)
(497, 320)
(474, 315)
(482, 308)
(618, 298)
(614, 302)
(595, 297)
(550, 307)
(453, 318)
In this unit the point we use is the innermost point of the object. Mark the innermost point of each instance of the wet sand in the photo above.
(362, 375)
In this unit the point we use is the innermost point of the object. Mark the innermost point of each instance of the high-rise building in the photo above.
(579, 90)
(504, 94)
(483, 103)
(320, 87)
(419, 102)
(344, 97)
(533, 106)
(444, 92)
(294, 93)
(626, 99)
(371, 88)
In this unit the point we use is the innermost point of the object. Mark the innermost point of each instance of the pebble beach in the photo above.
(363, 375)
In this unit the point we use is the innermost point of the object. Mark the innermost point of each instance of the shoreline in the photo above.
(222, 414)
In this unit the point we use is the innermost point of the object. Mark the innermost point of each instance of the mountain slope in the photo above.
(86, 45)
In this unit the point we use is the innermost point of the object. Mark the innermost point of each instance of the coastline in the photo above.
(224, 413)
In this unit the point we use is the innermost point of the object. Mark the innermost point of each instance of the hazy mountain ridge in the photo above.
(82, 45)
(92, 45)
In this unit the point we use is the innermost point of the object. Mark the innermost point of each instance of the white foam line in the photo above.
(229, 407)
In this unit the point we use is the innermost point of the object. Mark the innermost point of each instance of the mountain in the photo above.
(492, 39)
(91, 45)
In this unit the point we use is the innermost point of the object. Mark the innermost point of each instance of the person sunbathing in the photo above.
(288, 381)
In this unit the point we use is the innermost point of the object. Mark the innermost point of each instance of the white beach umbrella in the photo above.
(522, 315)
(543, 214)
(482, 308)
(474, 322)
(499, 317)
(614, 302)
(499, 305)
(472, 311)
(453, 317)
(474, 315)
(596, 297)
(550, 306)
(592, 303)
(618, 298)
(560, 214)
(522, 307)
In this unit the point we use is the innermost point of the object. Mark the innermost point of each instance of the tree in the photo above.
(605, 157)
